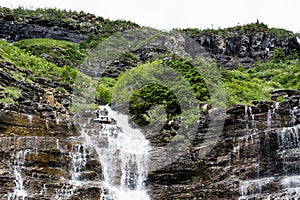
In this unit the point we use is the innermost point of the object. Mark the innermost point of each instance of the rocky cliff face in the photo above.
(21, 24)
(256, 157)
(40, 153)
(59, 30)
(245, 50)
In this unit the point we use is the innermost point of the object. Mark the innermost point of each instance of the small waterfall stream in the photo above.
(19, 191)
(122, 152)
(287, 184)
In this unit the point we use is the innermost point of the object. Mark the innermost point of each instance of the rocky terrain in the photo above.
(254, 156)
(244, 50)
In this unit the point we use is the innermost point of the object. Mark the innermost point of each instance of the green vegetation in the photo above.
(191, 74)
(241, 88)
(9, 94)
(282, 75)
(247, 29)
(245, 86)
(96, 27)
(38, 67)
(158, 83)
(59, 52)
(104, 89)
(12, 92)
(26, 68)
(147, 85)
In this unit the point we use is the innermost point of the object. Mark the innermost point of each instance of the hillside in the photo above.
(51, 70)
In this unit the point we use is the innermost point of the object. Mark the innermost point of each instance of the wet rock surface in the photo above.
(39, 144)
(256, 156)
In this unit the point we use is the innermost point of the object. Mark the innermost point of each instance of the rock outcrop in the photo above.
(39, 147)
(245, 50)
(255, 157)
(14, 31)
(21, 24)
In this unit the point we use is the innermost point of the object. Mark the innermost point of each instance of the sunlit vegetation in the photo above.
(9, 94)
(57, 51)
(38, 67)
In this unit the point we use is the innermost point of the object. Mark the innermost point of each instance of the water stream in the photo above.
(19, 191)
(122, 152)
(286, 186)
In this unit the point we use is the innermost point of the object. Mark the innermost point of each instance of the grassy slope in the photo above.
(59, 52)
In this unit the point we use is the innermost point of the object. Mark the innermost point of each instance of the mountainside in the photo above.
(245, 144)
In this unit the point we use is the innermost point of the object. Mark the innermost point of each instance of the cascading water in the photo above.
(286, 185)
(79, 158)
(19, 192)
(123, 153)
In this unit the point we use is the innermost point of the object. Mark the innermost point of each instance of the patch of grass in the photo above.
(37, 66)
(7, 100)
(12, 92)
(245, 86)
(56, 51)
(59, 52)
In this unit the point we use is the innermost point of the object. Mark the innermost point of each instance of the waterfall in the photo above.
(269, 118)
(29, 119)
(291, 185)
(19, 191)
(122, 152)
(253, 187)
(288, 138)
(248, 112)
(288, 184)
(79, 158)
(293, 113)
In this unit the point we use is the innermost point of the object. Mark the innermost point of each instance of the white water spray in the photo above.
(123, 153)
(19, 191)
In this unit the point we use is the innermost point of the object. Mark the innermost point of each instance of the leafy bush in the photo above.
(153, 84)
(245, 86)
